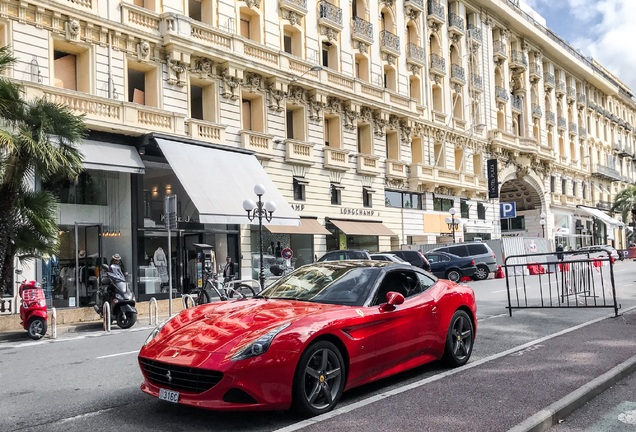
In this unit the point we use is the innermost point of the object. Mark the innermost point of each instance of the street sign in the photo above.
(286, 253)
(170, 211)
(507, 210)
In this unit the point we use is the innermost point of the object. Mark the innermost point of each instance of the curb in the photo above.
(548, 417)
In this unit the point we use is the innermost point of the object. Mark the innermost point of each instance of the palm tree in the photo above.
(37, 138)
(625, 203)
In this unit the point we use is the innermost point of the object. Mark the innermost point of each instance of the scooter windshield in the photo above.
(116, 274)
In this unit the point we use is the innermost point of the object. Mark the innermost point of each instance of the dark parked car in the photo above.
(449, 266)
(345, 254)
(415, 257)
(485, 258)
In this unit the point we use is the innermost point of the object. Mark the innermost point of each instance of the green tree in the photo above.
(625, 203)
(37, 138)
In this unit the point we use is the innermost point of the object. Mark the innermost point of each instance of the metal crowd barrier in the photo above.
(561, 280)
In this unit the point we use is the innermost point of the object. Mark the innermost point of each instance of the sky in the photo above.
(601, 29)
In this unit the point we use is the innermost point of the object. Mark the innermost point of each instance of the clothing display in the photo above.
(161, 263)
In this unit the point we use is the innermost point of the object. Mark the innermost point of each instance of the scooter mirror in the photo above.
(18, 271)
(105, 267)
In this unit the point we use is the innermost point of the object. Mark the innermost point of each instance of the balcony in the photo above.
(299, 152)
(535, 71)
(416, 5)
(415, 54)
(474, 33)
(603, 205)
(298, 6)
(517, 103)
(572, 128)
(336, 159)
(500, 50)
(389, 43)
(518, 60)
(560, 88)
(581, 100)
(562, 123)
(571, 94)
(501, 95)
(624, 151)
(458, 74)
(205, 131)
(362, 30)
(432, 176)
(368, 165)
(259, 142)
(455, 24)
(550, 118)
(438, 65)
(536, 110)
(329, 15)
(477, 82)
(436, 13)
(582, 132)
(396, 170)
(605, 172)
(548, 80)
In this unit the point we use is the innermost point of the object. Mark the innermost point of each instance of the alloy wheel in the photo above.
(322, 378)
(462, 337)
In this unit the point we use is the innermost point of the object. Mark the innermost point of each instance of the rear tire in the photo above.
(459, 340)
(454, 275)
(481, 273)
(37, 328)
(126, 320)
(246, 291)
(202, 297)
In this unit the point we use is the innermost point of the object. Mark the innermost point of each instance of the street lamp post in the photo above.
(259, 210)
(452, 222)
(542, 223)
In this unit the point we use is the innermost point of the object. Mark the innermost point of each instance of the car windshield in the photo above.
(343, 284)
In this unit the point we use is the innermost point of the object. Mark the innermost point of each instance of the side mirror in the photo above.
(393, 299)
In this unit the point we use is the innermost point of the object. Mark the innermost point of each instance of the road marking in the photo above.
(497, 292)
(83, 416)
(422, 382)
(47, 339)
(118, 354)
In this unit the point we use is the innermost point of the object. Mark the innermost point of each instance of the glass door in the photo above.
(88, 260)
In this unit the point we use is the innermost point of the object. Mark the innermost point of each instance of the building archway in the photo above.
(526, 191)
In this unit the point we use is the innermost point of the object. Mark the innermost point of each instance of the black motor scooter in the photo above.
(115, 290)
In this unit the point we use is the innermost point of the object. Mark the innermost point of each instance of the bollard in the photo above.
(185, 298)
(106, 317)
(53, 323)
(152, 306)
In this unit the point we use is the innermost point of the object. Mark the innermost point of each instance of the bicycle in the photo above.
(226, 290)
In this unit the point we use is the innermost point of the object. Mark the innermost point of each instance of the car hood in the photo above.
(222, 327)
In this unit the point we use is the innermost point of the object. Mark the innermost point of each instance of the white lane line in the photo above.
(497, 292)
(491, 317)
(420, 383)
(83, 416)
(118, 354)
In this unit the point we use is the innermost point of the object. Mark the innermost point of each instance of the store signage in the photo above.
(507, 210)
(298, 207)
(358, 212)
(493, 180)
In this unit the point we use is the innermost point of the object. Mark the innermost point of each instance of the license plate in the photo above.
(169, 395)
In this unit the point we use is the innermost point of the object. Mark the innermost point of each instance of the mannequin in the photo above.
(161, 263)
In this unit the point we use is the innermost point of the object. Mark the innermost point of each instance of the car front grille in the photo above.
(179, 378)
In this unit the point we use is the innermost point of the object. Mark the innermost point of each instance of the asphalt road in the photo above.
(90, 380)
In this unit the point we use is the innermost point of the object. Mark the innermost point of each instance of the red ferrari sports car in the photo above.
(316, 332)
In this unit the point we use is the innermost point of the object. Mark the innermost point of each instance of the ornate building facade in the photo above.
(370, 120)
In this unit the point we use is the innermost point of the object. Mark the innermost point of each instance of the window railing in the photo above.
(474, 33)
(455, 21)
(562, 123)
(548, 78)
(518, 57)
(550, 117)
(477, 81)
(535, 69)
(362, 28)
(438, 63)
(458, 72)
(436, 10)
(389, 40)
(501, 93)
(536, 110)
(517, 103)
(416, 52)
(500, 48)
(330, 12)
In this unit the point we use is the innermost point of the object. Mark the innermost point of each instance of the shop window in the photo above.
(252, 112)
(464, 209)
(202, 101)
(295, 122)
(481, 211)
(332, 131)
(443, 204)
(299, 189)
(392, 199)
(406, 200)
(513, 224)
(365, 139)
(71, 67)
(90, 188)
(336, 194)
(552, 184)
(142, 84)
(367, 197)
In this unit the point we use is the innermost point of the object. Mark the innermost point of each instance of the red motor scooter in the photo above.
(33, 308)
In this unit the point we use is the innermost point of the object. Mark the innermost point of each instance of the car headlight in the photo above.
(153, 334)
(260, 345)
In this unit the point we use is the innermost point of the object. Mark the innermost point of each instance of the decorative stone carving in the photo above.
(487, 21)
(253, 82)
(349, 118)
(366, 114)
(455, 39)
(73, 28)
(276, 98)
(334, 105)
(315, 107)
(394, 122)
(296, 94)
(389, 3)
(202, 67)
(389, 58)
(406, 131)
(143, 51)
(253, 4)
(176, 71)
(229, 84)
(378, 125)
(391, 183)
(414, 69)
(362, 47)
(331, 34)
(411, 14)
(293, 17)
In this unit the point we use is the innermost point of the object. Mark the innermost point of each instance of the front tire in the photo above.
(202, 297)
(244, 290)
(459, 340)
(453, 275)
(37, 328)
(481, 273)
(126, 320)
(319, 379)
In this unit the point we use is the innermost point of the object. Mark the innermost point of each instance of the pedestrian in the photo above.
(278, 250)
(116, 260)
(228, 270)
(559, 251)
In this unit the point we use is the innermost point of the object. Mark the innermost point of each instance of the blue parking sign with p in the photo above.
(507, 210)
